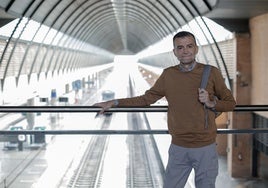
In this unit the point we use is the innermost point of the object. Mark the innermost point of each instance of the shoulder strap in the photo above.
(205, 76)
(203, 85)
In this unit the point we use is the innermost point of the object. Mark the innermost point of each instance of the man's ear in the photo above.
(196, 51)
(174, 52)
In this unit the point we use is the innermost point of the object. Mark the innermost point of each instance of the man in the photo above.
(191, 114)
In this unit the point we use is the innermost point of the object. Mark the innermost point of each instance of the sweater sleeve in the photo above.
(225, 99)
(152, 95)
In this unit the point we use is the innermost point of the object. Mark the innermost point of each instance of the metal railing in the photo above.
(257, 146)
(92, 109)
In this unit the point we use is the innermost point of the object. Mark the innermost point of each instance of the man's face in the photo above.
(185, 49)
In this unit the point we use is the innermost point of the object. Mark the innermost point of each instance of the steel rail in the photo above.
(51, 109)
(238, 108)
(124, 132)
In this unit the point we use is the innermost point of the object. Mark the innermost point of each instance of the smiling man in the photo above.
(192, 130)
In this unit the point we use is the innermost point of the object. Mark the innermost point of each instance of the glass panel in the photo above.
(107, 160)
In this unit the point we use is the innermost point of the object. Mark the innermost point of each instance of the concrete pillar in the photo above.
(30, 116)
(221, 140)
(259, 30)
(259, 46)
(240, 145)
(67, 88)
(53, 102)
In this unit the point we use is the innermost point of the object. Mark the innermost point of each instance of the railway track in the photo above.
(12, 178)
(145, 168)
(89, 171)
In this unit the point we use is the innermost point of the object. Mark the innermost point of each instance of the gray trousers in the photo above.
(182, 160)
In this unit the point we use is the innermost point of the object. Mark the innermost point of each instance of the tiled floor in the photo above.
(224, 180)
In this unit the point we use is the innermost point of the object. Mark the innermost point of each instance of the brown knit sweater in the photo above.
(186, 115)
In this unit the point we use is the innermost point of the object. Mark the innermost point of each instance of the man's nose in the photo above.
(185, 50)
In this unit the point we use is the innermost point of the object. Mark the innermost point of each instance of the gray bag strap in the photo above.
(205, 76)
(203, 85)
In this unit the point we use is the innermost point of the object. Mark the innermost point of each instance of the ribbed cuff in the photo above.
(116, 102)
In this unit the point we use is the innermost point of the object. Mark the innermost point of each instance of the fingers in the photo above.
(203, 95)
(104, 105)
(97, 114)
(100, 104)
(201, 90)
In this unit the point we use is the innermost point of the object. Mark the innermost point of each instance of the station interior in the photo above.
(58, 58)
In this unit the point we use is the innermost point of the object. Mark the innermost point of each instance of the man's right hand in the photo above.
(104, 105)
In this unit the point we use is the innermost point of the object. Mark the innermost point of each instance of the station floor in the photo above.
(224, 180)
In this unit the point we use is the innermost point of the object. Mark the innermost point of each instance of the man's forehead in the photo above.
(184, 40)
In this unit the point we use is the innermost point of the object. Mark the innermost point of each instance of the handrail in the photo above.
(120, 132)
(240, 108)
(53, 109)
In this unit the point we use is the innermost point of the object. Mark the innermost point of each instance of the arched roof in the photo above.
(129, 26)
(118, 26)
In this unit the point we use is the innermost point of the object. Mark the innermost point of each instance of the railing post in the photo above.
(254, 162)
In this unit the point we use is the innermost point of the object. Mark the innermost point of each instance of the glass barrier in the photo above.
(59, 146)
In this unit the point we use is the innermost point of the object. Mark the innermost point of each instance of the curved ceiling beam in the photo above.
(61, 26)
(111, 42)
(165, 19)
(104, 7)
(102, 31)
(139, 21)
(140, 25)
(54, 37)
(152, 12)
(100, 12)
(143, 19)
(85, 16)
